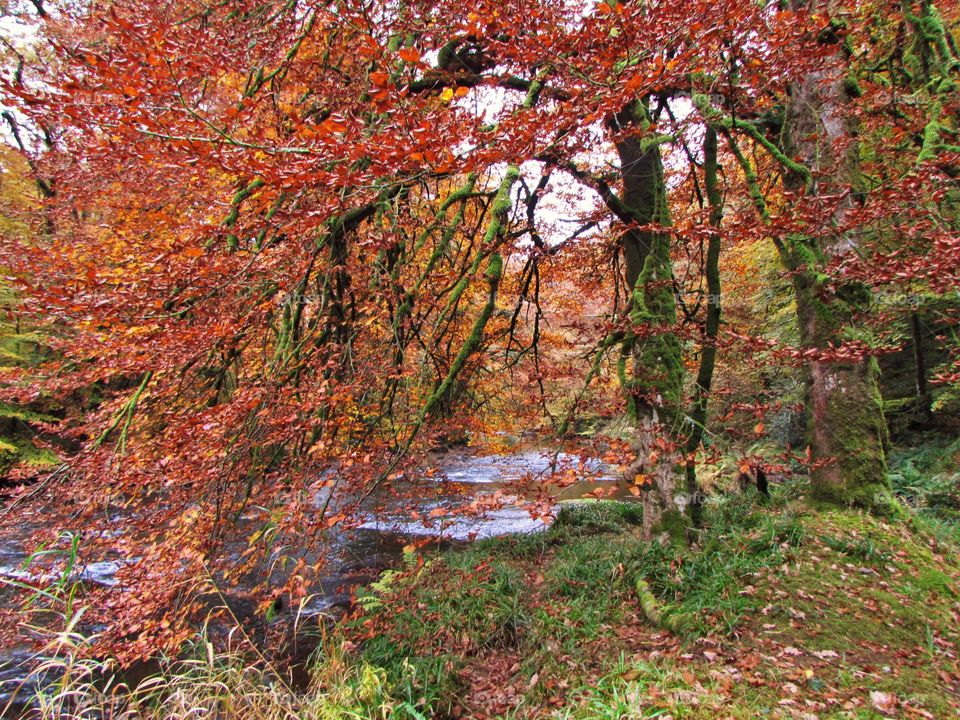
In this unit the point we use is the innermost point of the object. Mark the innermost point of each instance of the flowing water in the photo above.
(509, 488)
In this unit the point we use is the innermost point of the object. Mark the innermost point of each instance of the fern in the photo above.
(372, 598)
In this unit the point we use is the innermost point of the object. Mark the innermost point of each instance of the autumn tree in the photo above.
(844, 404)
(289, 247)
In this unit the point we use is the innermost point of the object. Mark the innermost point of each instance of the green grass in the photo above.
(557, 617)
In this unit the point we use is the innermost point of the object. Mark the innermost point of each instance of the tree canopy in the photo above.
(282, 249)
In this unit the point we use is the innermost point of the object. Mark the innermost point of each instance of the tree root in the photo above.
(660, 615)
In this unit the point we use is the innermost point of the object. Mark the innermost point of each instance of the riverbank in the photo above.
(780, 612)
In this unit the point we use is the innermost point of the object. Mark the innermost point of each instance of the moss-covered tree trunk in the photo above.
(654, 382)
(711, 325)
(847, 430)
(932, 67)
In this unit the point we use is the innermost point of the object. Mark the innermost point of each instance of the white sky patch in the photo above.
(566, 204)
(18, 31)
(19, 25)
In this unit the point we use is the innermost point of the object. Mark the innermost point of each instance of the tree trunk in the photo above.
(711, 326)
(654, 390)
(919, 367)
(847, 430)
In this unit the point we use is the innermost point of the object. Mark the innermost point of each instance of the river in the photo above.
(453, 485)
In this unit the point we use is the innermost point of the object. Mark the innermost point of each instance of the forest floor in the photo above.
(785, 611)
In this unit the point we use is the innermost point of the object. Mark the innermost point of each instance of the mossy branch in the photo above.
(125, 415)
(258, 79)
(658, 614)
(749, 175)
(406, 306)
(536, 87)
(495, 229)
(472, 343)
(931, 135)
(456, 196)
(717, 118)
(756, 195)
(233, 215)
(499, 211)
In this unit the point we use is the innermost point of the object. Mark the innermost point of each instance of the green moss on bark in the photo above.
(847, 428)
(859, 439)
(673, 526)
